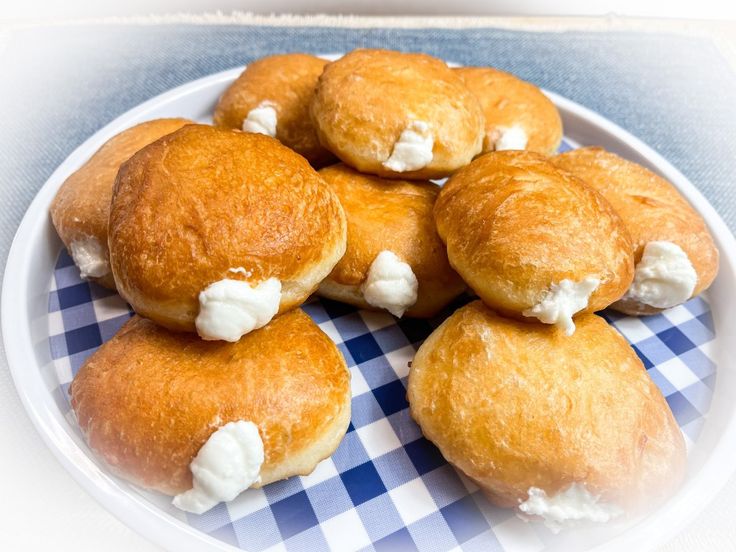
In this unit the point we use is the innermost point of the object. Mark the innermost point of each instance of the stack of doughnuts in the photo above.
(531, 395)
(220, 382)
(318, 177)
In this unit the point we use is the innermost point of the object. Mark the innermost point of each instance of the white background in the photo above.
(42, 508)
(56, 9)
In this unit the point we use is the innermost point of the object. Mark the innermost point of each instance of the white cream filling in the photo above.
(573, 504)
(229, 309)
(512, 138)
(562, 301)
(664, 277)
(90, 257)
(413, 150)
(261, 119)
(390, 284)
(226, 465)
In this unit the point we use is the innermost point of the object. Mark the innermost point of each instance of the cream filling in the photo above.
(562, 301)
(229, 309)
(512, 138)
(572, 505)
(664, 277)
(261, 119)
(90, 257)
(226, 465)
(390, 284)
(413, 150)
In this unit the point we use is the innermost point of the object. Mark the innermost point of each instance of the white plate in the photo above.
(25, 323)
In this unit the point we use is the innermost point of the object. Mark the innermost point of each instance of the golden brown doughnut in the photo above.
(653, 211)
(397, 115)
(512, 104)
(396, 216)
(285, 83)
(207, 205)
(519, 407)
(82, 205)
(531, 239)
(149, 399)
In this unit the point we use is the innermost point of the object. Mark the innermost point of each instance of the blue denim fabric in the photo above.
(60, 84)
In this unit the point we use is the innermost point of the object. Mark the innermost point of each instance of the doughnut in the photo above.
(675, 256)
(518, 115)
(272, 97)
(567, 429)
(532, 240)
(205, 420)
(397, 115)
(81, 207)
(218, 230)
(394, 258)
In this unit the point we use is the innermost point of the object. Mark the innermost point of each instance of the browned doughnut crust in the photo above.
(82, 205)
(507, 101)
(203, 200)
(514, 224)
(287, 80)
(367, 98)
(652, 209)
(149, 398)
(516, 405)
(393, 215)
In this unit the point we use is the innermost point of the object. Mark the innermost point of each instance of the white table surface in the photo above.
(42, 508)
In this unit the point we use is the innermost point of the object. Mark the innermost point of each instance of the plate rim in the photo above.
(169, 532)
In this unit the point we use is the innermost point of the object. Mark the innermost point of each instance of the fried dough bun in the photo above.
(82, 205)
(149, 398)
(511, 103)
(395, 216)
(653, 211)
(397, 115)
(518, 407)
(286, 84)
(206, 205)
(532, 240)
